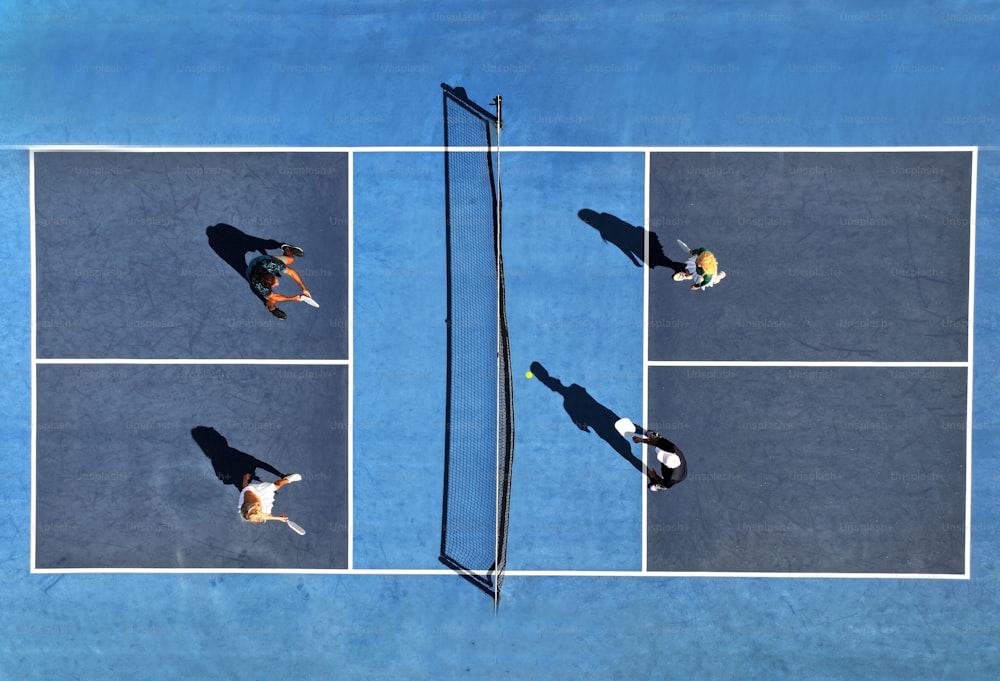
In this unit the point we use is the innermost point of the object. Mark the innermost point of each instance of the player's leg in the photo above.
(294, 477)
(274, 309)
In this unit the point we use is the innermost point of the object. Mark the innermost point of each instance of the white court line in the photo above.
(34, 340)
(769, 363)
(133, 360)
(442, 149)
(35, 361)
(581, 574)
(735, 575)
(971, 357)
(351, 150)
(967, 364)
(350, 365)
(645, 349)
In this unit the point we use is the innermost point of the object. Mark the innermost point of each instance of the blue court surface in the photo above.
(834, 395)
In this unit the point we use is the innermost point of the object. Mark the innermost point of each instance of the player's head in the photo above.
(268, 279)
(252, 511)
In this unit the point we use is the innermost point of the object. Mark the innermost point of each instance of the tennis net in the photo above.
(479, 438)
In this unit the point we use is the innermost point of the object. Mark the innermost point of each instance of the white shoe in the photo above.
(625, 427)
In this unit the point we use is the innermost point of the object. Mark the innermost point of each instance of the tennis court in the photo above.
(833, 395)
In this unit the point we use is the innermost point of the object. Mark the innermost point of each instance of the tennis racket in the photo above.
(308, 301)
(296, 528)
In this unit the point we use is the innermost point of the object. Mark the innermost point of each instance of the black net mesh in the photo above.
(479, 437)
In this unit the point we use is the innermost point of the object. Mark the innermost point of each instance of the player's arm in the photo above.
(643, 440)
(298, 280)
(278, 298)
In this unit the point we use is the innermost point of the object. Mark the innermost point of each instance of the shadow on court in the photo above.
(232, 245)
(229, 464)
(630, 240)
(588, 414)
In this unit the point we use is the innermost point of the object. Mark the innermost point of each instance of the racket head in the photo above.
(309, 301)
(296, 528)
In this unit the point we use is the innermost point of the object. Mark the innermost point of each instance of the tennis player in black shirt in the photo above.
(673, 467)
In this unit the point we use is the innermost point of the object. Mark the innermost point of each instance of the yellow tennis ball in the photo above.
(528, 374)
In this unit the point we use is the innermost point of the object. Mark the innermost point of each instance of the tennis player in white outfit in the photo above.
(257, 498)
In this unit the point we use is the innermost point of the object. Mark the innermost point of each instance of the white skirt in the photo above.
(264, 491)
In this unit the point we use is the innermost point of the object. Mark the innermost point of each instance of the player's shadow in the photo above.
(232, 245)
(588, 414)
(229, 464)
(630, 240)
